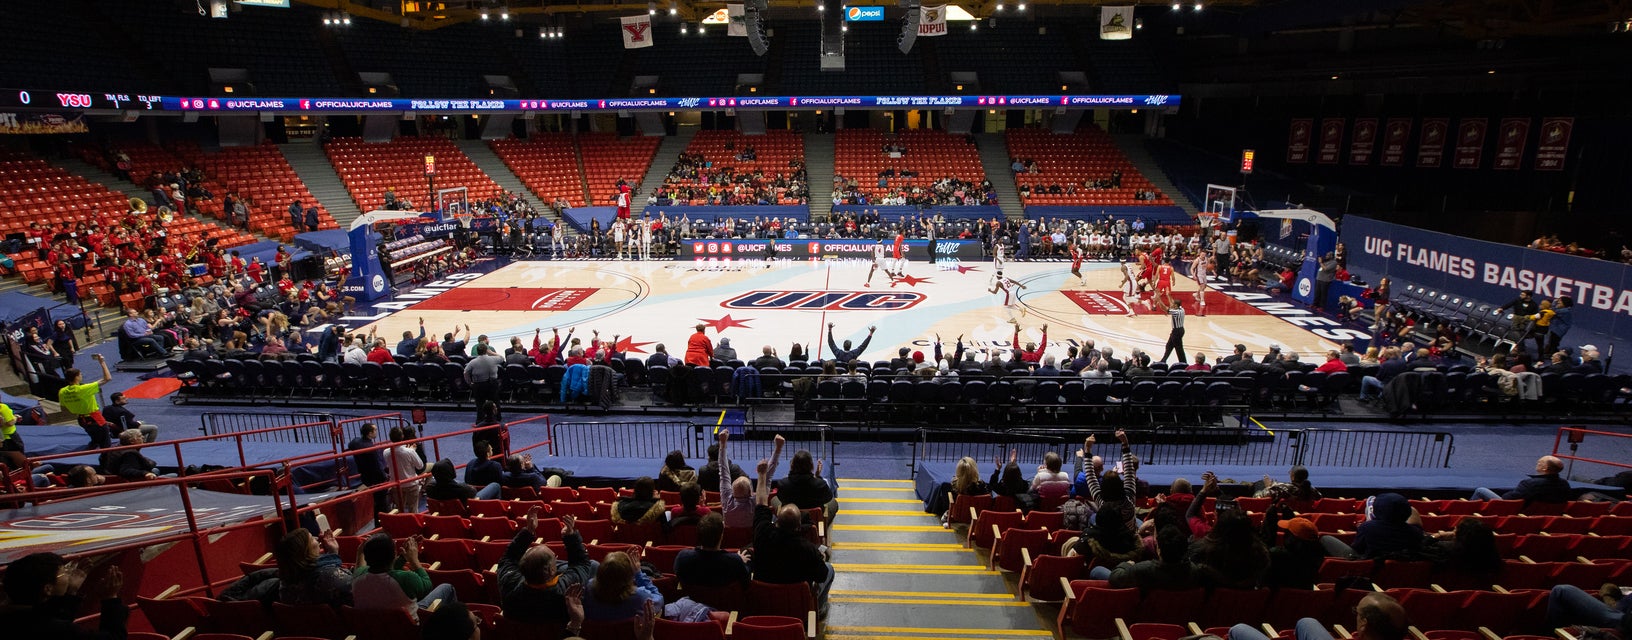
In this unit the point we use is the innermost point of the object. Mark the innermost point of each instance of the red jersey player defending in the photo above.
(1164, 284)
(1076, 264)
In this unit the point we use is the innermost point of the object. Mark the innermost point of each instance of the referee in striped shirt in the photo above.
(1175, 339)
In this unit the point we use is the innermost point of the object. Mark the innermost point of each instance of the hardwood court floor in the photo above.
(756, 303)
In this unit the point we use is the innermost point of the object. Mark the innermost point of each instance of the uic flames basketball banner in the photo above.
(1297, 140)
(932, 21)
(1554, 143)
(1116, 23)
(1431, 146)
(1510, 140)
(1364, 141)
(1491, 272)
(1396, 134)
(812, 248)
(1331, 141)
(637, 31)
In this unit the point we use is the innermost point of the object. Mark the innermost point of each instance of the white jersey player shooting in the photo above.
(881, 260)
(1010, 288)
(1130, 287)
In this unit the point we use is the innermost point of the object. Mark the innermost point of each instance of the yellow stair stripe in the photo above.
(887, 527)
(900, 489)
(929, 569)
(921, 546)
(922, 594)
(907, 482)
(961, 603)
(848, 630)
(881, 513)
(844, 501)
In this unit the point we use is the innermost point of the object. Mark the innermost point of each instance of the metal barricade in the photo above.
(318, 426)
(753, 442)
(622, 439)
(1376, 448)
(1219, 445)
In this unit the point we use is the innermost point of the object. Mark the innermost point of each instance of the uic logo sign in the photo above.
(825, 300)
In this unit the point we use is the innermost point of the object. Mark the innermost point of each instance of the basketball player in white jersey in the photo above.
(618, 233)
(558, 240)
(1130, 287)
(1200, 269)
(632, 236)
(1011, 297)
(997, 255)
(881, 260)
(646, 236)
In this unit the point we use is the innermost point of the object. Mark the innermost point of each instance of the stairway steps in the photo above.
(1133, 146)
(314, 169)
(994, 158)
(819, 159)
(662, 162)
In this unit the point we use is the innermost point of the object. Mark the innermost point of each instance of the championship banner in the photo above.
(736, 25)
(1364, 141)
(1470, 142)
(1510, 140)
(1395, 136)
(932, 21)
(1431, 147)
(39, 123)
(637, 31)
(1331, 141)
(1116, 23)
(1554, 144)
(1297, 141)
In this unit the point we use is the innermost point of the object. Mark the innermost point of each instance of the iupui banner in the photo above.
(1510, 141)
(1431, 148)
(1554, 143)
(1395, 136)
(1297, 140)
(1470, 142)
(86, 525)
(637, 31)
(1364, 141)
(1115, 23)
(737, 25)
(35, 123)
(1331, 141)
(932, 21)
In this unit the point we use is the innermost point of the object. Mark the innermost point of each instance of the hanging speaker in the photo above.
(909, 29)
(755, 27)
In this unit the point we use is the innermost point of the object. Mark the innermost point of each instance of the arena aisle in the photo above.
(900, 575)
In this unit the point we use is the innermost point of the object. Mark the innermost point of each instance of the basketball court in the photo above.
(780, 302)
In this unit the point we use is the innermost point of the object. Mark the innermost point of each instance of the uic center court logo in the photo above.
(796, 300)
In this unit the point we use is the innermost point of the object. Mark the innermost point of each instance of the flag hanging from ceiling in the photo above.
(637, 31)
(737, 26)
(932, 21)
(1115, 23)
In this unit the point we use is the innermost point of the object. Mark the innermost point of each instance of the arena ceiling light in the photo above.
(1020, 7)
(504, 13)
(1177, 6)
(484, 14)
(1198, 6)
(674, 8)
(999, 7)
(651, 8)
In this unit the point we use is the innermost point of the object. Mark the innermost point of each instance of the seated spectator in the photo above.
(1200, 363)
(521, 473)
(385, 581)
(1170, 569)
(483, 470)
(1050, 481)
(130, 464)
(782, 554)
(44, 593)
(1230, 555)
(642, 507)
(804, 486)
(1469, 550)
(1378, 617)
(1008, 481)
(309, 572)
(1295, 561)
(1545, 485)
(690, 509)
(1333, 364)
(709, 475)
(446, 486)
(1568, 605)
(675, 472)
(1394, 531)
(1296, 488)
(737, 496)
(965, 482)
(708, 565)
(119, 418)
(455, 621)
(1107, 543)
(620, 590)
(535, 587)
(1116, 485)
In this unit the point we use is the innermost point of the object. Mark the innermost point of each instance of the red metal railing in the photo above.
(1577, 436)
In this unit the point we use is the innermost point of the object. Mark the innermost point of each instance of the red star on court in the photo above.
(963, 269)
(910, 280)
(628, 345)
(725, 323)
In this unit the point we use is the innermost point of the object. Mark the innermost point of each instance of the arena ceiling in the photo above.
(1467, 18)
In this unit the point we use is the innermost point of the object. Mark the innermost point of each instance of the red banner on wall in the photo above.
(1297, 141)
(1510, 139)
(1554, 143)
(1395, 135)
(1431, 146)
(1470, 142)
(1331, 141)
(1364, 140)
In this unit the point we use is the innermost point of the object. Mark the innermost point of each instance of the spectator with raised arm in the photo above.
(385, 580)
(1117, 485)
(805, 487)
(309, 570)
(782, 554)
(534, 586)
(737, 494)
(847, 354)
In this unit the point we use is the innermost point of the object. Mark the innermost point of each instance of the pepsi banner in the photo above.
(1492, 273)
(304, 105)
(864, 14)
(819, 248)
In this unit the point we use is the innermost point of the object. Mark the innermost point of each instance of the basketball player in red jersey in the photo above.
(1076, 264)
(1164, 285)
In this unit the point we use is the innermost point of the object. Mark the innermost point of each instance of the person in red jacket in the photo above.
(1031, 354)
(380, 354)
(699, 349)
(1333, 364)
